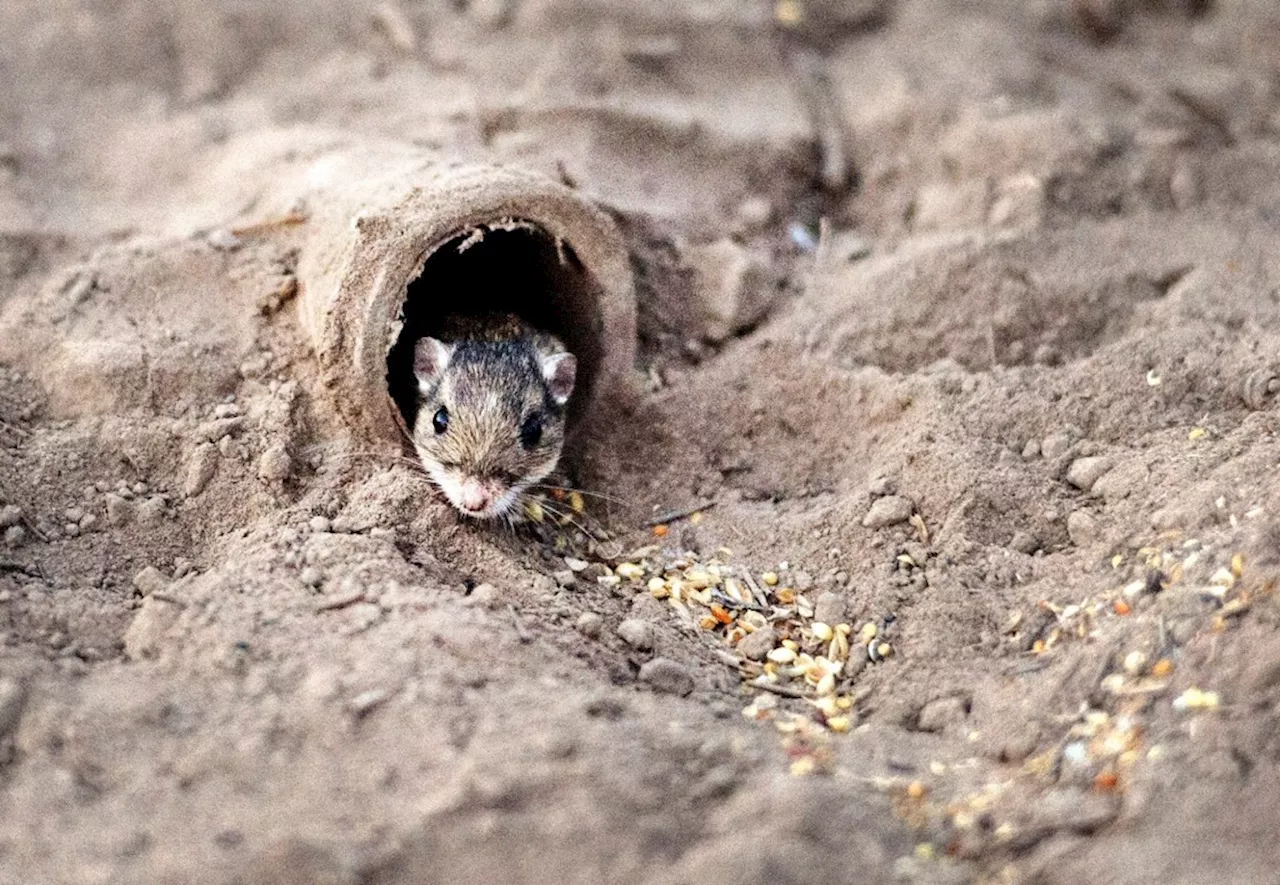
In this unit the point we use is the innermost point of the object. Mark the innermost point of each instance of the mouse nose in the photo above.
(475, 496)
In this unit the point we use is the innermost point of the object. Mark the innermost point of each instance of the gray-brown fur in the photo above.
(491, 376)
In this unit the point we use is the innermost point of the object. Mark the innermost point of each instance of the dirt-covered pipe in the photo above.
(394, 240)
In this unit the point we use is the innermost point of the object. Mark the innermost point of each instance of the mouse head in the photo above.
(491, 417)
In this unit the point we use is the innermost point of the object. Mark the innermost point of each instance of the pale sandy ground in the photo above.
(1052, 235)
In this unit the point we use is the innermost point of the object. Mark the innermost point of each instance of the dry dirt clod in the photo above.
(1084, 472)
(667, 676)
(754, 646)
(887, 511)
(830, 608)
(1082, 528)
(10, 515)
(200, 470)
(590, 624)
(275, 465)
(149, 580)
(637, 633)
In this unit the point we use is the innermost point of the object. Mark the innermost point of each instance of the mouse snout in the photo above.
(474, 495)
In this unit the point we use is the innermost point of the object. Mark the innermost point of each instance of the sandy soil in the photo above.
(1005, 268)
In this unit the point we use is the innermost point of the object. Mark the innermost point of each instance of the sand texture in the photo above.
(938, 338)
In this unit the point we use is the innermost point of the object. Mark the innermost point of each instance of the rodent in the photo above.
(491, 398)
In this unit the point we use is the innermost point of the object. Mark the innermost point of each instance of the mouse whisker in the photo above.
(561, 515)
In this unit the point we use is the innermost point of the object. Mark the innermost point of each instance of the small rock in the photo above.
(1025, 542)
(88, 522)
(152, 510)
(73, 514)
(666, 676)
(564, 578)
(889, 510)
(204, 464)
(15, 535)
(120, 511)
(311, 576)
(590, 624)
(1082, 528)
(1084, 472)
(320, 525)
(10, 515)
(1056, 445)
(226, 410)
(1031, 449)
(754, 646)
(149, 580)
(637, 633)
(275, 465)
(830, 608)
(216, 431)
(938, 714)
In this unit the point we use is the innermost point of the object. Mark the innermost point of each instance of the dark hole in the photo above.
(522, 271)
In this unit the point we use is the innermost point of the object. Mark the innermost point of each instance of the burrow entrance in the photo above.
(511, 266)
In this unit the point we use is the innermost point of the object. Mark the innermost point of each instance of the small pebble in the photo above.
(10, 515)
(667, 676)
(1056, 446)
(311, 576)
(73, 514)
(1084, 472)
(590, 624)
(754, 646)
(275, 465)
(887, 511)
(203, 465)
(120, 510)
(320, 525)
(830, 608)
(15, 535)
(149, 580)
(1025, 542)
(637, 633)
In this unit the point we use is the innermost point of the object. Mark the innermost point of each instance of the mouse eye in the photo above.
(440, 421)
(531, 431)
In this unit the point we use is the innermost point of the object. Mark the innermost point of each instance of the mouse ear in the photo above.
(430, 356)
(560, 370)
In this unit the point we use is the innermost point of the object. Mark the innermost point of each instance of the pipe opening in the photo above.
(509, 266)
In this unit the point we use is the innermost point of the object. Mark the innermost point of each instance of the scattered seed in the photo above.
(629, 570)
(782, 655)
(1195, 699)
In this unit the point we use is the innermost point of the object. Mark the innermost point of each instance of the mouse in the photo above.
(492, 398)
